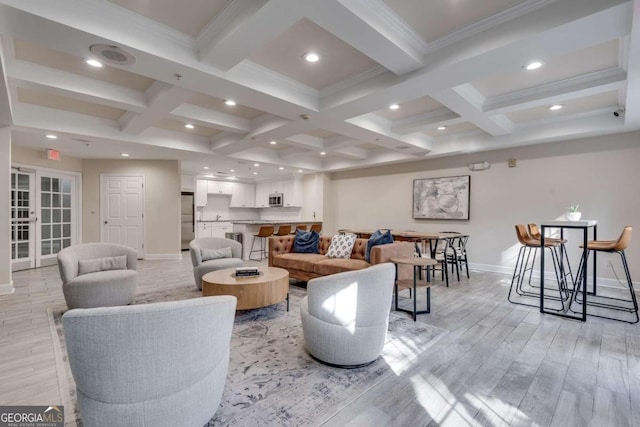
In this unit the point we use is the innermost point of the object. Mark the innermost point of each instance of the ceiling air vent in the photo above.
(113, 54)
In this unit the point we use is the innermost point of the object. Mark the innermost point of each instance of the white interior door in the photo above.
(122, 212)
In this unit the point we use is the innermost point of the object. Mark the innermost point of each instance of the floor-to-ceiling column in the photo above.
(6, 285)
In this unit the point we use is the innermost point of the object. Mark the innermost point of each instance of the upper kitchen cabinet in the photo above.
(202, 191)
(219, 187)
(187, 182)
(242, 195)
(291, 191)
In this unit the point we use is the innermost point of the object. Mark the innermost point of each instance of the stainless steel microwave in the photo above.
(275, 200)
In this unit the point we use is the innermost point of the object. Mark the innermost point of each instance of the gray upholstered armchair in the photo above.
(345, 316)
(217, 247)
(162, 364)
(98, 274)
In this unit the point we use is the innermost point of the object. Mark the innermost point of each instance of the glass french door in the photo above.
(57, 215)
(22, 220)
(44, 217)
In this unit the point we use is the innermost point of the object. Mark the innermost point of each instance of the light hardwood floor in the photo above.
(500, 364)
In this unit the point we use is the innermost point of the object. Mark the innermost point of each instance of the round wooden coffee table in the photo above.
(271, 287)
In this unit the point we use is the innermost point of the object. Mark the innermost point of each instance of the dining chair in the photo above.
(438, 253)
(614, 247)
(457, 254)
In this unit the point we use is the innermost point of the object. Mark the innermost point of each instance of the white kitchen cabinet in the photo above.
(202, 230)
(187, 182)
(292, 192)
(213, 229)
(201, 192)
(263, 189)
(242, 195)
(219, 187)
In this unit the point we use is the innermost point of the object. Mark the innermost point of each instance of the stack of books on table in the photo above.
(247, 271)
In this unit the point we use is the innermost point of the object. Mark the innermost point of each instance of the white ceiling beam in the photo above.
(306, 141)
(375, 129)
(211, 118)
(242, 28)
(373, 28)
(425, 121)
(467, 102)
(162, 100)
(228, 143)
(292, 153)
(88, 127)
(559, 91)
(351, 152)
(632, 112)
(38, 77)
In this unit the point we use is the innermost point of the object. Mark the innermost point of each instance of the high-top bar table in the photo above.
(583, 225)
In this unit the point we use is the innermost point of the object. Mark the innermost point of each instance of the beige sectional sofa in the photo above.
(306, 266)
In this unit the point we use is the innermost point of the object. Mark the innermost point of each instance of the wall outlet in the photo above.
(512, 163)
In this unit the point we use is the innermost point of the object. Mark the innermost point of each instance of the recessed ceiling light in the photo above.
(442, 127)
(281, 168)
(124, 154)
(311, 57)
(205, 167)
(273, 143)
(394, 106)
(52, 136)
(323, 153)
(256, 164)
(189, 126)
(232, 170)
(230, 102)
(300, 170)
(533, 66)
(231, 177)
(94, 63)
(556, 107)
(255, 173)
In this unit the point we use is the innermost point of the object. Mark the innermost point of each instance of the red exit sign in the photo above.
(53, 154)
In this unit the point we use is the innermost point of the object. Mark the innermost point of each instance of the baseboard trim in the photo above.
(7, 288)
(153, 257)
(549, 275)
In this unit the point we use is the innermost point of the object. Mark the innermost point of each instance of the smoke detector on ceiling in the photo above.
(113, 54)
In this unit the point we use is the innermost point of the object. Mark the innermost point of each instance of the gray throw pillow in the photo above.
(93, 265)
(208, 254)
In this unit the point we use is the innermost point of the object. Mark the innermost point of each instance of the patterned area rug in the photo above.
(272, 380)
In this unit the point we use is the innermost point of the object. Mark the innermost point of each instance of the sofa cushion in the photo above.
(377, 238)
(341, 246)
(209, 254)
(338, 265)
(295, 261)
(94, 265)
(306, 242)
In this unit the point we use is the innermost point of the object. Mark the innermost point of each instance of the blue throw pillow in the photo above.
(306, 242)
(377, 238)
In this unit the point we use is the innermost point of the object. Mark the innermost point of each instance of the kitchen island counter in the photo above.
(250, 227)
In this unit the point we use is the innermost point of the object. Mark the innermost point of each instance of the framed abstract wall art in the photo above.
(442, 198)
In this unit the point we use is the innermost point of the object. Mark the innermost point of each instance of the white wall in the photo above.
(600, 173)
(162, 201)
(6, 285)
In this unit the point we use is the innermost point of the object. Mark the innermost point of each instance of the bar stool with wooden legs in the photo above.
(264, 232)
(302, 227)
(618, 247)
(525, 263)
(317, 227)
(283, 230)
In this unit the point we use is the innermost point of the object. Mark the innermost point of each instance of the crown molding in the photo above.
(352, 81)
(487, 23)
(394, 27)
(602, 78)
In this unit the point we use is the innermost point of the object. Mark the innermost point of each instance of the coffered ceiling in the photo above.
(455, 70)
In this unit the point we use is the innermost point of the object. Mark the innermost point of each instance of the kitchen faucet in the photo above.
(218, 217)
